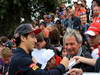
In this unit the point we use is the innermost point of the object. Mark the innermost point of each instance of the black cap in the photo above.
(23, 29)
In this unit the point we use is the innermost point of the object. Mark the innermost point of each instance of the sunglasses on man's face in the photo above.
(90, 37)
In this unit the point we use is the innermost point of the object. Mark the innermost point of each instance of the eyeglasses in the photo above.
(90, 37)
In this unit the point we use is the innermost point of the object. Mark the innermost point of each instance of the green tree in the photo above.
(11, 12)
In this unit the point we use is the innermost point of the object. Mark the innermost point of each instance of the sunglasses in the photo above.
(90, 37)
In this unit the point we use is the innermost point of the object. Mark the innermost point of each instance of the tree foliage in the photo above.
(11, 12)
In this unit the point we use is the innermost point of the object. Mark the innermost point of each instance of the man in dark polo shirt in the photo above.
(22, 63)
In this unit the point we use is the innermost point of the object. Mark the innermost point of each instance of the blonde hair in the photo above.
(6, 52)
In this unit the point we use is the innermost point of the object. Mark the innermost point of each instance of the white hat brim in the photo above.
(90, 33)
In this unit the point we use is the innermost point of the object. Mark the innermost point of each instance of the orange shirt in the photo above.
(79, 12)
(46, 32)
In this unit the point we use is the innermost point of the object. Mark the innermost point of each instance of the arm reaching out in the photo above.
(85, 60)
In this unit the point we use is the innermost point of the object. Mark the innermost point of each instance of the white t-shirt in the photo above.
(95, 53)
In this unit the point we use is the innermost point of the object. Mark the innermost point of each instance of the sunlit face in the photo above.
(96, 10)
(70, 11)
(71, 45)
(94, 4)
(83, 19)
(7, 59)
(92, 40)
(97, 40)
(30, 41)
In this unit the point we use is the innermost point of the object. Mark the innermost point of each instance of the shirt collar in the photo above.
(79, 52)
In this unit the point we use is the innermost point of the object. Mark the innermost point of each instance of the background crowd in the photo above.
(72, 32)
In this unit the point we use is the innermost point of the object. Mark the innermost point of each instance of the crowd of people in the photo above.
(47, 46)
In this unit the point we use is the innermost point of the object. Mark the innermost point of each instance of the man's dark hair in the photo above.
(18, 39)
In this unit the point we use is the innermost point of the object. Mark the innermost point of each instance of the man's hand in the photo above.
(75, 71)
(65, 61)
(88, 61)
(79, 59)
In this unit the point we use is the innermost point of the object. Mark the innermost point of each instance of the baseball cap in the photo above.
(24, 29)
(94, 29)
(75, 1)
(79, 2)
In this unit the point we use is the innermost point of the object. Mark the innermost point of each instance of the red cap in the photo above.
(94, 29)
(24, 29)
(37, 31)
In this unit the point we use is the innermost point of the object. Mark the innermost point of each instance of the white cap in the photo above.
(79, 2)
(90, 33)
(74, 0)
(56, 19)
(41, 20)
(43, 56)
